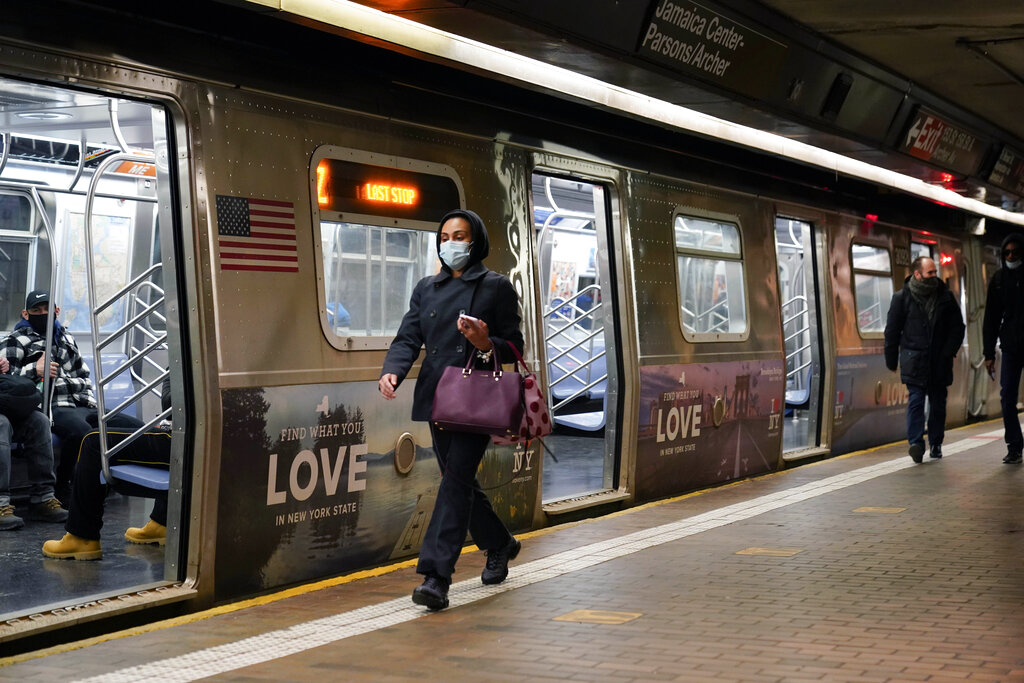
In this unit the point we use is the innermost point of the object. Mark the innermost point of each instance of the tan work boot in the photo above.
(149, 534)
(72, 547)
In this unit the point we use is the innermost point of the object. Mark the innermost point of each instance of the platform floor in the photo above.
(861, 568)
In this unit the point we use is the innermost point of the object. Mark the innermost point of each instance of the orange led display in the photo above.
(322, 175)
(390, 194)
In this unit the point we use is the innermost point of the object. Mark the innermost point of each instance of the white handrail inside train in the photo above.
(480, 57)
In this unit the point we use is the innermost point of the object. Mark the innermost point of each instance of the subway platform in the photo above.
(860, 568)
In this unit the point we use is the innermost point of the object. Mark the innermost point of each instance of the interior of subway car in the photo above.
(84, 216)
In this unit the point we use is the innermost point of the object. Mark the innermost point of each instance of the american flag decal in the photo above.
(256, 234)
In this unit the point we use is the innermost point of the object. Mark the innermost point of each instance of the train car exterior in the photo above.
(690, 327)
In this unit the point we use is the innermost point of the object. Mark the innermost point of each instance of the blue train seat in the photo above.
(120, 388)
(799, 398)
(151, 479)
(567, 387)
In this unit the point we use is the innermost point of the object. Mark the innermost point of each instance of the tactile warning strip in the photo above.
(275, 644)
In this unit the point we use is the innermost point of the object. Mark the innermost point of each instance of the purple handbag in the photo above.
(479, 401)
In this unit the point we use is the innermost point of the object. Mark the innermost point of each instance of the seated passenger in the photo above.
(33, 431)
(71, 390)
(88, 494)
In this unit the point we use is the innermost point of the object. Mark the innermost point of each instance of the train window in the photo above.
(918, 249)
(709, 272)
(15, 213)
(872, 277)
(17, 246)
(377, 217)
(369, 275)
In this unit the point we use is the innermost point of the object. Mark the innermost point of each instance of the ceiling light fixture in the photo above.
(42, 115)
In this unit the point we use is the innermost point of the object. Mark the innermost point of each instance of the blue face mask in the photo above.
(455, 254)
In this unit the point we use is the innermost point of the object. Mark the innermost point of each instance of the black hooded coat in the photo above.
(434, 308)
(1004, 307)
(924, 349)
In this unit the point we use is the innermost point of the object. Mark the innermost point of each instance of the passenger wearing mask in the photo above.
(1004, 319)
(71, 397)
(434, 320)
(923, 333)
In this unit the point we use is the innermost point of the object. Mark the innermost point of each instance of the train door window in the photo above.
(17, 256)
(919, 249)
(872, 278)
(573, 223)
(794, 247)
(377, 218)
(709, 274)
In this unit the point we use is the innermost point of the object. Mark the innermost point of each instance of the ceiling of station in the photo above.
(962, 61)
(969, 53)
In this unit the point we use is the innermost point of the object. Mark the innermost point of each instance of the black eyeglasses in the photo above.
(1011, 252)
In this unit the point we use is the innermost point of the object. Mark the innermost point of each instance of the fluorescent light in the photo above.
(421, 38)
(42, 115)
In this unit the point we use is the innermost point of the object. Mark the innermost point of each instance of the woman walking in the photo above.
(464, 309)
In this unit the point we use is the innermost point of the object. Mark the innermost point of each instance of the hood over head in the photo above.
(1014, 237)
(481, 243)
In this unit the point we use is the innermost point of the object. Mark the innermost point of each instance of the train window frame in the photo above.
(29, 239)
(381, 225)
(738, 276)
(883, 275)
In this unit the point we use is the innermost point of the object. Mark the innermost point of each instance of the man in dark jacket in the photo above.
(1004, 318)
(71, 396)
(923, 334)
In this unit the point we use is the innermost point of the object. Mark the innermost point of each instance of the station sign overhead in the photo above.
(695, 39)
(937, 140)
(1008, 173)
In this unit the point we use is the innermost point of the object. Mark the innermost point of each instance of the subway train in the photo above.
(246, 210)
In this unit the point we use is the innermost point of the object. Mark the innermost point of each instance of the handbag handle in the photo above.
(519, 357)
(494, 357)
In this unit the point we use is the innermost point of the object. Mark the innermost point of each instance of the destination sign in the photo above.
(350, 187)
(1008, 173)
(938, 141)
(694, 38)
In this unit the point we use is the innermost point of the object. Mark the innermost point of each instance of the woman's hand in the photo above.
(476, 332)
(386, 384)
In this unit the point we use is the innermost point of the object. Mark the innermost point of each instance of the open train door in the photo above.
(575, 233)
(801, 298)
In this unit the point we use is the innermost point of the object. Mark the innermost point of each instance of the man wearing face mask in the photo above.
(71, 396)
(923, 333)
(1004, 319)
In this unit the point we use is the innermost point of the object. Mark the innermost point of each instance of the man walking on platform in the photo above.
(1004, 318)
(923, 334)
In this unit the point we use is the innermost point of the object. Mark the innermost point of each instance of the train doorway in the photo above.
(801, 332)
(85, 214)
(572, 220)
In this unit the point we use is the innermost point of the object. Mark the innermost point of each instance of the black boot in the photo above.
(497, 562)
(432, 594)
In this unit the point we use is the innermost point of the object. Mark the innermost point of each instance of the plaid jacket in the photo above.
(71, 387)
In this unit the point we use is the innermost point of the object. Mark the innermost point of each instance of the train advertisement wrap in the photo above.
(310, 486)
(870, 404)
(707, 423)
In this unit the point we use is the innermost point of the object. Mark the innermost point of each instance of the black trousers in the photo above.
(70, 425)
(461, 505)
(85, 514)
